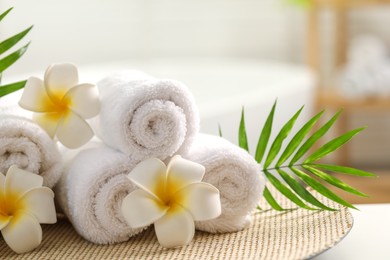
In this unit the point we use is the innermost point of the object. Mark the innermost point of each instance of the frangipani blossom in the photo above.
(24, 204)
(62, 105)
(172, 197)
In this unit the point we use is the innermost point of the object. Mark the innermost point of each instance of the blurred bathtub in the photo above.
(222, 87)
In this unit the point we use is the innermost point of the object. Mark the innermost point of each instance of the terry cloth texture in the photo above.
(146, 117)
(90, 193)
(235, 174)
(25, 144)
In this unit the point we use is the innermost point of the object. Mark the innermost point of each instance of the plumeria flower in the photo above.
(172, 197)
(62, 105)
(24, 204)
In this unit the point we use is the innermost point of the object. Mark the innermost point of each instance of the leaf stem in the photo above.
(285, 166)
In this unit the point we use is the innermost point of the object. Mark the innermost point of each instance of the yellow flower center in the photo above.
(10, 204)
(59, 103)
(62, 106)
(169, 194)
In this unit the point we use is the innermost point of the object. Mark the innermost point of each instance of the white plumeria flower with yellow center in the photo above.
(172, 197)
(62, 105)
(24, 204)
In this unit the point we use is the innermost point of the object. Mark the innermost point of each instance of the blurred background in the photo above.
(231, 53)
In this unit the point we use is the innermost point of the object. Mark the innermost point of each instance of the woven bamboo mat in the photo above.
(293, 234)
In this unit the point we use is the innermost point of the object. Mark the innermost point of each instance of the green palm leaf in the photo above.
(285, 191)
(302, 191)
(5, 13)
(271, 200)
(333, 181)
(343, 169)
(219, 130)
(297, 139)
(264, 136)
(277, 144)
(332, 145)
(242, 139)
(9, 88)
(7, 61)
(10, 42)
(314, 138)
(294, 190)
(10, 59)
(316, 185)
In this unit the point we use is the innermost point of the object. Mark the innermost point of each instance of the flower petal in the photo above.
(201, 200)
(176, 228)
(48, 121)
(4, 220)
(19, 181)
(34, 97)
(40, 203)
(84, 100)
(2, 182)
(183, 172)
(73, 131)
(140, 209)
(150, 175)
(2, 188)
(59, 78)
(23, 233)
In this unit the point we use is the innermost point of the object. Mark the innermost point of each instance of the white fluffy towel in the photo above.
(90, 193)
(25, 144)
(237, 176)
(146, 117)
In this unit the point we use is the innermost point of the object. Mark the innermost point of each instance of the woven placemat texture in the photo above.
(293, 234)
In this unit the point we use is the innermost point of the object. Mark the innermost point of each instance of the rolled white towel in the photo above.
(237, 176)
(25, 144)
(90, 193)
(145, 117)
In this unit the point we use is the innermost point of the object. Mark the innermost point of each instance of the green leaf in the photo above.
(332, 145)
(297, 139)
(219, 130)
(301, 191)
(242, 139)
(343, 169)
(5, 13)
(285, 191)
(277, 144)
(10, 42)
(7, 89)
(12, 58)
(314, 138)
(316, 185)
(333, 180)
(271, 200)
(264, 136)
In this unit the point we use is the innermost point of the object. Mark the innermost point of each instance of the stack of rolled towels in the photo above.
(143, 117)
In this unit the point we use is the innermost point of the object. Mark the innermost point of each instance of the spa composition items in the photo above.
(145, 120)
(146, 117)
(126, 154)
(24, 144)
(91, 191)
(235, 174)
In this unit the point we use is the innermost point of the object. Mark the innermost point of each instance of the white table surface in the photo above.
(369, 237)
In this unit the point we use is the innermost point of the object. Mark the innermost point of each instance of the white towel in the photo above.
(145, 117)
(90, 193)
(25, 144)
(237, 176)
